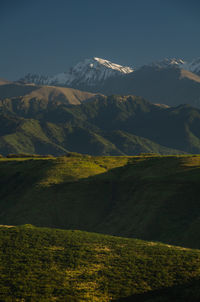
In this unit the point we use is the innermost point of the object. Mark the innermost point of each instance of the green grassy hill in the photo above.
(146, 197)
(56, 265)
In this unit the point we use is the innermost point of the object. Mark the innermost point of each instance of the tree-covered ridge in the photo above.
(56, 265)
(114, 125)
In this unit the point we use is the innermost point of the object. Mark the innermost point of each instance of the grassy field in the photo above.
(41, 264)
(145, 197)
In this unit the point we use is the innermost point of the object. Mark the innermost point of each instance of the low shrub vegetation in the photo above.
(40, 264)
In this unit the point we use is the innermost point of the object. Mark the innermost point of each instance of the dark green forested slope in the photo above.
(151, 198)
(56, 265)
(115, 125)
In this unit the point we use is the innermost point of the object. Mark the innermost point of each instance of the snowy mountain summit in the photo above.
(89, 72)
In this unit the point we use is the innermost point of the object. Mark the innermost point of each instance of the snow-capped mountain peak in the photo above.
(91, 72)
(88, 72)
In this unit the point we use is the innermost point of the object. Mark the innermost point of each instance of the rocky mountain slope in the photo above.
(193, 66)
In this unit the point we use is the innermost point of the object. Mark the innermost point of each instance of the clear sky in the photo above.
(50, 36)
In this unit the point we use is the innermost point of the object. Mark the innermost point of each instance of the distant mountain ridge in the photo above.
(192, 66)
(170, 85)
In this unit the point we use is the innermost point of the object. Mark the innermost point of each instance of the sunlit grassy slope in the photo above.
(39, 264)
(151, 198)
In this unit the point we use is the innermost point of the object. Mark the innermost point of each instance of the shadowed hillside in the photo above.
(152, 198)
(171, 85)
(187, 292)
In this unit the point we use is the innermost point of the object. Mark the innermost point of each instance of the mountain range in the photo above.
(114, 118)
(169, 81)
(44, 119)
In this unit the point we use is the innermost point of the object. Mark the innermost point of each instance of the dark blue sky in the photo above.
(49, 36)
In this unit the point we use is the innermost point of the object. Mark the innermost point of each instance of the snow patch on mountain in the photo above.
(193, 66)
(167, 62)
